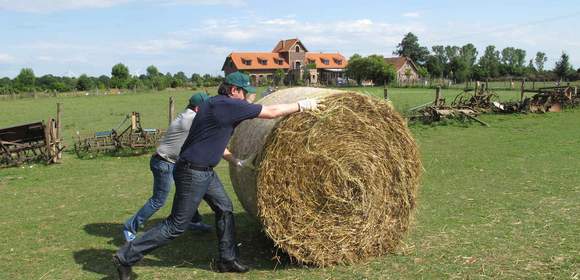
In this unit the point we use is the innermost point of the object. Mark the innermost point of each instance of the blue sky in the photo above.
(72, 37)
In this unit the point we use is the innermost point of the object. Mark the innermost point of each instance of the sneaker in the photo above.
(129, 236)
(124, 271)
(199, 226)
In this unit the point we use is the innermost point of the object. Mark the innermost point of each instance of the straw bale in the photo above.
(331, 187)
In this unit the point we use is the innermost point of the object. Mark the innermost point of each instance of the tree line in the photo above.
(120, 78)
(463, 63)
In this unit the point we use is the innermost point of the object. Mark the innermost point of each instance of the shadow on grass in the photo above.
(191, 250)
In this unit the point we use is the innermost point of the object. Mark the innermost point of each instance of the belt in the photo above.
(190, 165)
(157, 156)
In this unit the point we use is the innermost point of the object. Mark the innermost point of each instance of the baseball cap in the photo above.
(197, 98)
(240, 79)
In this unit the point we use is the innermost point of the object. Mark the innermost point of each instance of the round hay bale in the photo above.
(331, 187)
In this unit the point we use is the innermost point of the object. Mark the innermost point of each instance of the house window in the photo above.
(246, 61)
(278, 61)
(262, 61)
(324, 61)
(310, 61)
(297, 48)
(338, 61)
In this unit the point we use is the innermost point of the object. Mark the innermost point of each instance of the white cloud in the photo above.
(280, 21)
(159, 46)
(44, 6)
(49, 6)
(6, 58)
(412, 14)
(200, 2)
(46, 58)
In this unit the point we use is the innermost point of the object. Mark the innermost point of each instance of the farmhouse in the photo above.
(292, 57)
(405, 67)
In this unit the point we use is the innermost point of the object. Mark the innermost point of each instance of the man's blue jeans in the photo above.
(162, 180)
(190, 187)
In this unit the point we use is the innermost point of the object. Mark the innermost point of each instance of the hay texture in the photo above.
(332, 187)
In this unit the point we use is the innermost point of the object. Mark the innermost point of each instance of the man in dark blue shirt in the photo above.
(194, 176)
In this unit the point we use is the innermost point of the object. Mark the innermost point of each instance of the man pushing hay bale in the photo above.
(330, 187)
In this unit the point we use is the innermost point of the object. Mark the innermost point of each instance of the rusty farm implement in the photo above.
(132, 137)
(32, 142)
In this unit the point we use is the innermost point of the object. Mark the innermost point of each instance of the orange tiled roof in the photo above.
(284, 45)
(268, 60)
(333, 60)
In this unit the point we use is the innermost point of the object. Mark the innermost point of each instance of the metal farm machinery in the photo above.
(31, 142)
(465, 106)
(133, 138)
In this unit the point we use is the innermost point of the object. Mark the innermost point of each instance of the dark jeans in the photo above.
(162, 180)
(190, 187)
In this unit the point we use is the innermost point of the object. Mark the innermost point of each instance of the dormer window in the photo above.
(324, 61)
(310, 61)
(337, 61)
(246, 61)
(278, 61)
(262, 61)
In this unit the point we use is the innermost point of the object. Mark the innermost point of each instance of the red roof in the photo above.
(399, 61)
(285, 45)
(327, 60)
(258, 60)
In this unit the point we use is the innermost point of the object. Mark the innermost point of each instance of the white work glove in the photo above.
(244, 163)
(308, 105)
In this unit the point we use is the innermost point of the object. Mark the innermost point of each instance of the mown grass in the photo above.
(498, 202)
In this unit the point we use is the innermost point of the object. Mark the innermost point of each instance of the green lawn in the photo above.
(495, 202)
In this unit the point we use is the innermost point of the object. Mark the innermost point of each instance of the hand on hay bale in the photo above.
(245, 163)
(310, 105)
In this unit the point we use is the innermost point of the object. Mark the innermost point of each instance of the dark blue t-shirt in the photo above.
(212, 128)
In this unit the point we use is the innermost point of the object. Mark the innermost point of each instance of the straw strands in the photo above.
(331, 187)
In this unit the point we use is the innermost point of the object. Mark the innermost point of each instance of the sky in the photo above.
(74, 37)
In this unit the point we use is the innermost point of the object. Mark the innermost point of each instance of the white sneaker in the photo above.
(129, 236)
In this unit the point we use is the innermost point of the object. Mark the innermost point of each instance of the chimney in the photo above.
(282, 43)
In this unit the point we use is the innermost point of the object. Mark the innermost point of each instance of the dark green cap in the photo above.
(240, 79)
(197, 98)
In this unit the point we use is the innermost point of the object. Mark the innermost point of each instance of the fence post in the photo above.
(58, 134)
(522, 90)
(437, 96)
(385, 93)
(171, 109)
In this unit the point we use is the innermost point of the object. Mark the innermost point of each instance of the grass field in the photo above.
(498, 202)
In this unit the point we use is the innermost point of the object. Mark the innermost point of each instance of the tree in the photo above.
(469, 54)
(563, 68)
(379, 71)
(460, 68)
(513, 61)
(356, 68)
(434, 66)
(84, 83)
(437, 62)
(196, 79)
(489, 62)
(410, 48)
(104, 82)
(278, 76)
(152, 71)
(179, 80)
(119, 76)
(25, 81)
(540, 61)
